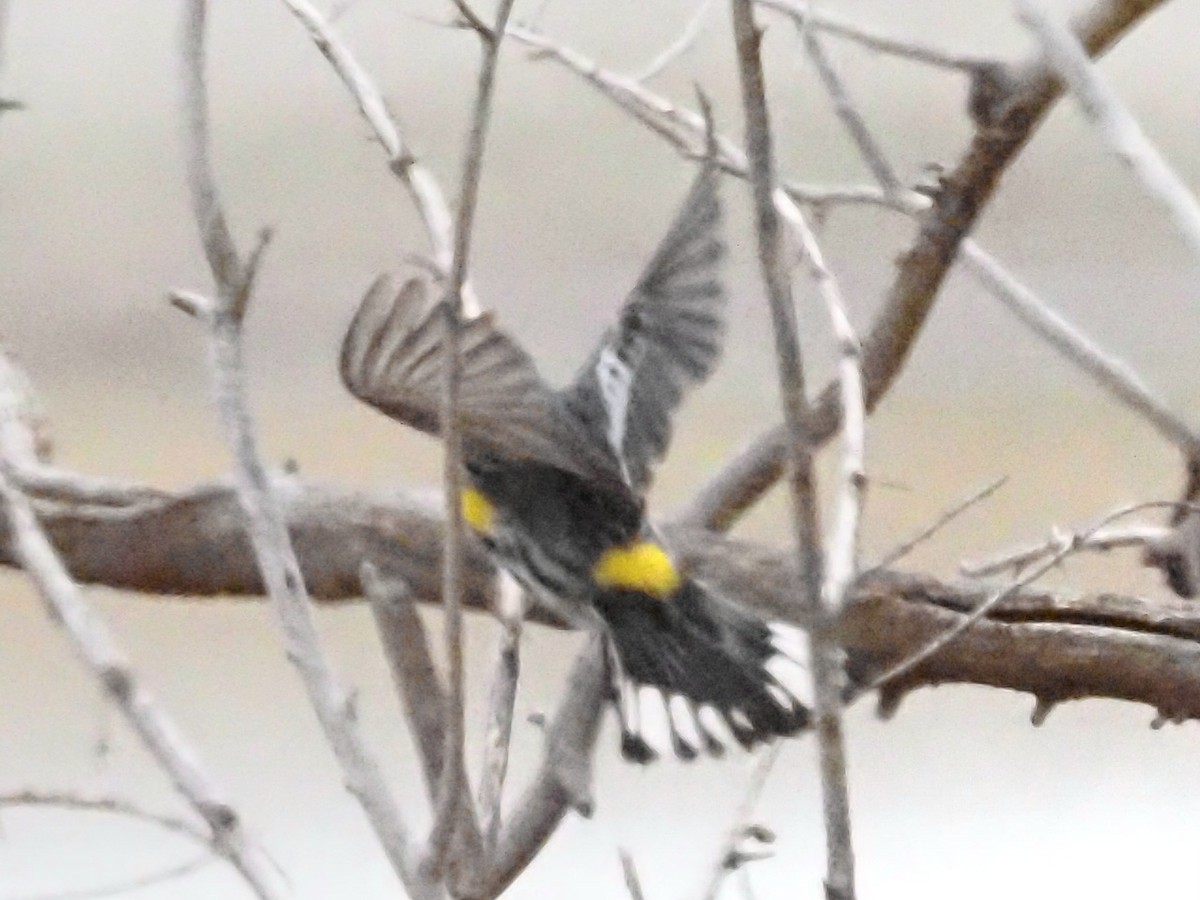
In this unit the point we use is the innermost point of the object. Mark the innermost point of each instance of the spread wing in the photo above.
(392, 360)
(667, 340)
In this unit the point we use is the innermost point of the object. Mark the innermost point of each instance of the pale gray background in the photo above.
(958, 796)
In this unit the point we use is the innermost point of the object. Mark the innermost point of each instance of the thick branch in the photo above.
(194, 543)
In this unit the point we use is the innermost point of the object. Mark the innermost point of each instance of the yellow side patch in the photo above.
(640, 566)
(478, 510)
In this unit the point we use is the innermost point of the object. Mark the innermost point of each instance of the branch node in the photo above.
(194, 304)
(1042, 707)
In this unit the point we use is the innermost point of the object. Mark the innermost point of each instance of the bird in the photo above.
(555, 484)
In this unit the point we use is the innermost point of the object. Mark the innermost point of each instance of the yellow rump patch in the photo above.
(478, 510)
(640, 566)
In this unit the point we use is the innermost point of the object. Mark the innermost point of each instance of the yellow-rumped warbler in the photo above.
(557, 479)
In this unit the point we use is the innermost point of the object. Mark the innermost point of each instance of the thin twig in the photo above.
(421, 184)
(807, 14)
(633, 883)
(1065, 544)
(414, 674)
(510, 609)
(841, 551)
(726, 860)
(564, 780)
(823, 646)
(453, 791)
(907, 546)
(72, 802)
(1110, 372)
(264, 519)
(1116, 125)
(1099, 539)
(846, 111)
(679, 46)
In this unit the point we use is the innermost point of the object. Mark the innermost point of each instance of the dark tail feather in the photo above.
(693, 673)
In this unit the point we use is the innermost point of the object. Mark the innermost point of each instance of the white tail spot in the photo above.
(655, 721)
(683, 720)
(793, 678)
(714, 725)
(790, 641)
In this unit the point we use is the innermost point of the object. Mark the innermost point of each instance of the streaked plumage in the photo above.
(557, 481)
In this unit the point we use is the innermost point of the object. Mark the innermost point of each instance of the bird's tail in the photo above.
(694, 673)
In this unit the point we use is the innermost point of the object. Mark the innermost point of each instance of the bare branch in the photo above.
(846, 111)
(114, 673)
(633, 883)
(906, 547)
(807, 15)
(1064, 545)
(1102, 645)
(564, 780)
(71, 801)
(1097, 537)
(728, 859)
(823, 647)
(417, 682)
(453, 791)
(420, 183)
(1117, 126)
(510, 605)
(264, 520)
(1113, 374)
(681, 44)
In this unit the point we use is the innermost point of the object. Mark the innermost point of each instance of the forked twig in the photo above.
(727, 856)
(1117, 126)
(807, 14)
(1065, 544)
(264, 517)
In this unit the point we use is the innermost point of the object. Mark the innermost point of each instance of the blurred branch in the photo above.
(825, 653)
(1100, 538)
(65, 604)
(1062, 546)
(808, 15)
(728, 858)
(510, 609)
(906, 546)
(6, 104)
(687, 37)
(263, 517)
(633, 883)
(1116, 125)
(422, 186)
(564, 780)
(71, 802)
(196, 545)
(1112, 373)
(453, 791)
